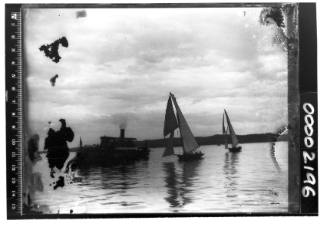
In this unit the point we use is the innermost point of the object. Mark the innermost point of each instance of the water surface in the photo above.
(222, 182)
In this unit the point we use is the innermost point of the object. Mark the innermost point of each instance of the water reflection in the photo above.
(180, 186)
(230, 170)
(172, 184)
(221, 182)
(121, 177)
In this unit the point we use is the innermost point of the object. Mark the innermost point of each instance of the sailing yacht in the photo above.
(230, 133)
(172, 122)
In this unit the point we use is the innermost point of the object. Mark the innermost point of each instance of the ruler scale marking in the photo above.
(14, 106)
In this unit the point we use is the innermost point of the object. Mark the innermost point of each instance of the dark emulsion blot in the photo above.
(51, 50)
(53, 80)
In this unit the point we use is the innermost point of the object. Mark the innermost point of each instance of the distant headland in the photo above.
(219, 139)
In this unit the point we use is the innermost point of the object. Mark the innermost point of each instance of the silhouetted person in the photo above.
(56, 144)
(65, 134)
(50, 145)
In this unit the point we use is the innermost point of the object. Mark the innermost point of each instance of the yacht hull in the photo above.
(190, 156)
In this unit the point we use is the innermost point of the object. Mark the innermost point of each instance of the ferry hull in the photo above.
(235, 149)
(103, 158)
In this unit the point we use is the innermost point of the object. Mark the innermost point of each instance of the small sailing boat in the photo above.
(172, 122)
(229, 132)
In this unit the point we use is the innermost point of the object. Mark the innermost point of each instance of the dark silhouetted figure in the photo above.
(53, 80)
(56, 144)
(66, 132)
(50, 145)
(51, 50)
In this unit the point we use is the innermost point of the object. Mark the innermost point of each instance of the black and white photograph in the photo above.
(159, 110)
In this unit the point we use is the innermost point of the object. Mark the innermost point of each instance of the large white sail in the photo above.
(232, 132)
(188, 140)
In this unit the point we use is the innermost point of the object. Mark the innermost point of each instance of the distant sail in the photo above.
(170, 120)
(188, 140)
(80, 142)
(225, 132)
(232, 132)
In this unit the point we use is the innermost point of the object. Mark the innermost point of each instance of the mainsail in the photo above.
(169, 127)
(170, 120)
(231, 130)
(188, 140)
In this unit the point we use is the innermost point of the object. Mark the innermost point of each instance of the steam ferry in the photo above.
(113, 150)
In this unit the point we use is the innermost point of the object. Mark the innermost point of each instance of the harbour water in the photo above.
(222, 182)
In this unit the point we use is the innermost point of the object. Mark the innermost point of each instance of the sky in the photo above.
(121, 64)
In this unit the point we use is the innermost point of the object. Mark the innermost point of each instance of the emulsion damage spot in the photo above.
(59, 183)
(51, 50)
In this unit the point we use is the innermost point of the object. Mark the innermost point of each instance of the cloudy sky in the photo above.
(121, 64)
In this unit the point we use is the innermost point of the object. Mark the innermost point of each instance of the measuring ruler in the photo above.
(14, 110)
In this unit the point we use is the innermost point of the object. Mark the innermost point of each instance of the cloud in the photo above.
(124, 62)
